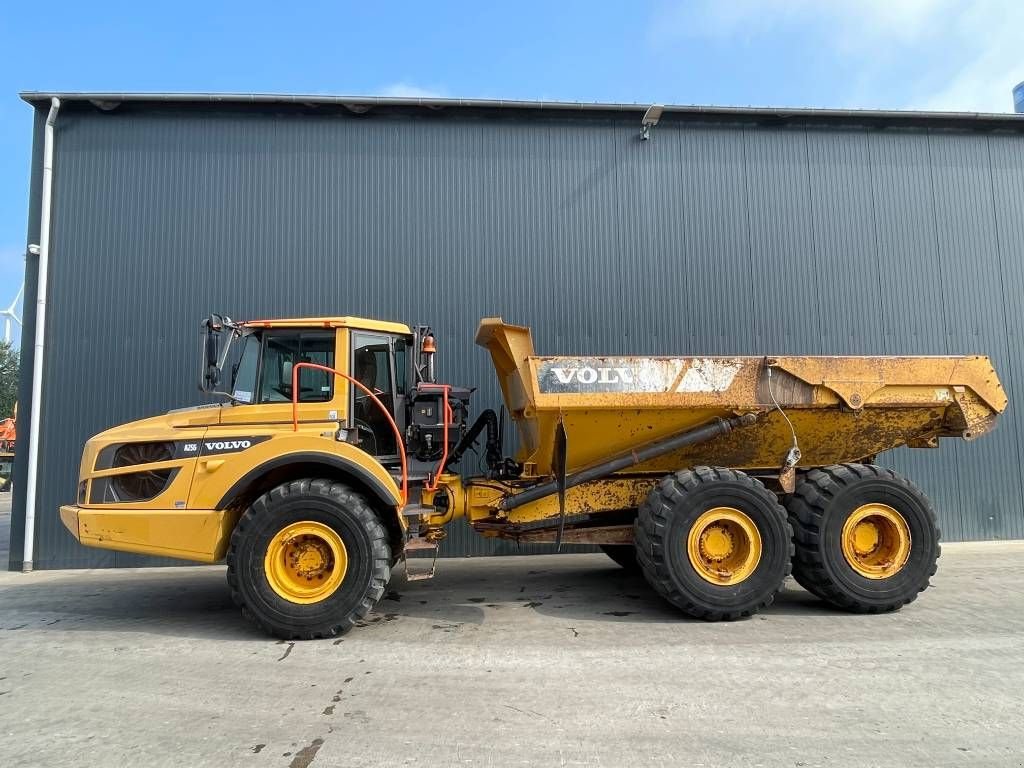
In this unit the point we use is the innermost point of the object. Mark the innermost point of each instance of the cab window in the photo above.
(244, 379)
(281, 351)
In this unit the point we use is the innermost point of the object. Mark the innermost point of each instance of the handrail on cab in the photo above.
(376, 400)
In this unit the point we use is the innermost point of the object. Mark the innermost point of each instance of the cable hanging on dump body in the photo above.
(793, 457)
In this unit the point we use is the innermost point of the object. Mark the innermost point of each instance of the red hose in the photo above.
(384, 410)
(445, 388)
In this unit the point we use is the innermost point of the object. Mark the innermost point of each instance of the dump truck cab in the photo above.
(330, 397)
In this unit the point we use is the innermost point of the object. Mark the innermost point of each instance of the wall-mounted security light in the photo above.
(651, 118)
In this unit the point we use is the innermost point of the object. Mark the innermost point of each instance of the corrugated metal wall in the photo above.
(728, 239)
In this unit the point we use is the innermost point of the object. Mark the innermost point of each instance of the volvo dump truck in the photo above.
(334, 454)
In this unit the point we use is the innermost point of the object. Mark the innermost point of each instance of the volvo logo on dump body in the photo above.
(588, 375)
(564, 375)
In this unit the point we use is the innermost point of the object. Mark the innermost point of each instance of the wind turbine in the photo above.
(10, 316)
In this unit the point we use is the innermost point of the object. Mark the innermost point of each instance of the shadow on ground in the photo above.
(195, 602)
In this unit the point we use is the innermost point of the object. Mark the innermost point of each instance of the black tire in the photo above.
(351, 518)
(663, 526)
(623, 554)
(824, 500)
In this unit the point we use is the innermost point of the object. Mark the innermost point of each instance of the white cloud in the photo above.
(956, 55)
(411, 91)
(993, 64)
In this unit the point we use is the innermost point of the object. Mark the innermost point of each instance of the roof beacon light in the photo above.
(427, 350)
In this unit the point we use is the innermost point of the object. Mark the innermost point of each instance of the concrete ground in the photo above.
(549, 660)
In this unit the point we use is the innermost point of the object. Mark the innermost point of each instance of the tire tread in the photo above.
(807, 509)
(653, 521)
(344, 496)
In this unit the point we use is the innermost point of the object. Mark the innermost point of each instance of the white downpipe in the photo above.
(40, 341)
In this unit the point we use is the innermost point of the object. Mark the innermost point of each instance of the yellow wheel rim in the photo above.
(876, 541)
(305, 562)
(724, 546)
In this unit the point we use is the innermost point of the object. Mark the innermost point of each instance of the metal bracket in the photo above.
(558, 461)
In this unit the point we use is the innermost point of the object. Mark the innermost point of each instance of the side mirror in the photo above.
(211, 369)
(212, 376)
(215, 336)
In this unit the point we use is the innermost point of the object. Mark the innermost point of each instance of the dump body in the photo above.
(842, 409)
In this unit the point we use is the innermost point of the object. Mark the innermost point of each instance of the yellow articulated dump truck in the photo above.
(335, 453)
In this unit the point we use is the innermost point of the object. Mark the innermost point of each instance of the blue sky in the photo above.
(899, 54)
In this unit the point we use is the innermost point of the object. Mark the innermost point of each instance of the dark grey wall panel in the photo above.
(975, 318)
(713, 293)
(844, 270)
(1006, 289)
(786, 306)
(709, 238)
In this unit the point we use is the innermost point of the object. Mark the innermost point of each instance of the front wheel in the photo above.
(308, 559)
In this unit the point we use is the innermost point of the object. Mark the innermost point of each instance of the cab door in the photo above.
(379, 361)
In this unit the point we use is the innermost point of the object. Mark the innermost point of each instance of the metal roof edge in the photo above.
(1015, 120)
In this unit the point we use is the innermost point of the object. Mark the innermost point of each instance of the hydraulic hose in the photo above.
(492, 450)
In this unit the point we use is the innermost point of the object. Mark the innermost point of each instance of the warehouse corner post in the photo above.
(31, 484)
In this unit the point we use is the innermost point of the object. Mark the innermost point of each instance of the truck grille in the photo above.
(135, 486)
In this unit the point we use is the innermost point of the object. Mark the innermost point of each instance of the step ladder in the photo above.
(418, 544)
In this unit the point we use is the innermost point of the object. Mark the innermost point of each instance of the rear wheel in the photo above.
(714, 542)
(866, 539)
(308, 559)
(623, 554)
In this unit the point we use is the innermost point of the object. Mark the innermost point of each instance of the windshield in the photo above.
(243, 383)
(256, 366)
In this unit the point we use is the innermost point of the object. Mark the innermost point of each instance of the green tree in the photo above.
(8, 379)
